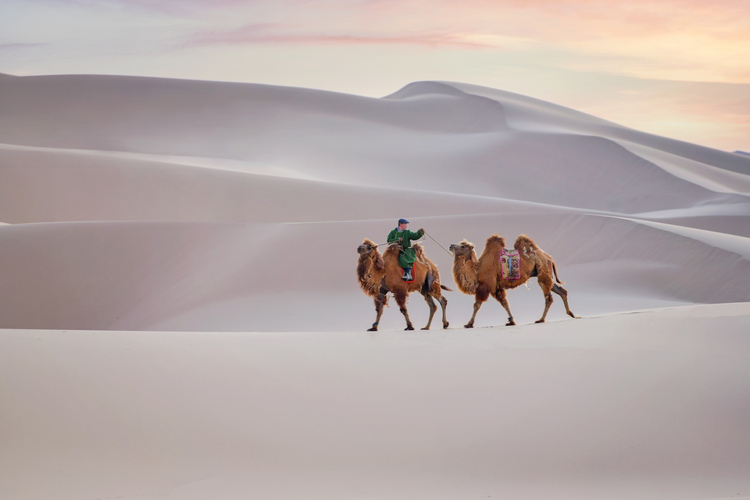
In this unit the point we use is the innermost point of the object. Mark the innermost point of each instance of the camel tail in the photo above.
(445, 288)
(554, 269)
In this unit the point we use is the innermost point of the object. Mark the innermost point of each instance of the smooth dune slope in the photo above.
(282, 277)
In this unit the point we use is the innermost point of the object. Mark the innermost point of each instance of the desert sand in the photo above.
(180, 316)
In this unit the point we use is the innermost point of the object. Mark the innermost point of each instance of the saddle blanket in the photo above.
(510, 264)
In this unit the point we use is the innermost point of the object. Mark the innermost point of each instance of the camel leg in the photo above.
(435, 292)
(401, 301)
(477, 305)
(433, 308)
(501, 297)
(379, 303)
(480, 298)
(444, 304)
(564, 294)
(547, 290)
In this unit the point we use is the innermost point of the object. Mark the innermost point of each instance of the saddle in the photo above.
(510, 264)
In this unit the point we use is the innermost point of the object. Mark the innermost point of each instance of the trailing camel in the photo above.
(484, 276)
(378, 275)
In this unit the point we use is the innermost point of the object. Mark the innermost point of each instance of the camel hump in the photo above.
(421, 257)
(419, 250)
(392, 250)
(496, 239)
(525, 245)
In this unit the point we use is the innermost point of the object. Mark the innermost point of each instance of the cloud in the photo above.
(155, 5)
(274, 33)
(21, 46)
(569, 20)
(689, 40)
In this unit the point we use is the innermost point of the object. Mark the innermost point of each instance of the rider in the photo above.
(406, 255)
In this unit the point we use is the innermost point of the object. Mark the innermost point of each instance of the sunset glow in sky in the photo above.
(678, 68)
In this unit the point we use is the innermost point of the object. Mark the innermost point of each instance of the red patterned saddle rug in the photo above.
(510, 264)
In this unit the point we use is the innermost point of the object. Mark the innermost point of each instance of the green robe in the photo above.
(407, 255)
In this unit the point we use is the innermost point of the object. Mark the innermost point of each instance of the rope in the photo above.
(441, 246)
(426, 234)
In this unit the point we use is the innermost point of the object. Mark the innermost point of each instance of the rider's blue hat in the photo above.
(403, 221)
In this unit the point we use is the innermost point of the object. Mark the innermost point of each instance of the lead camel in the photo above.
(378, 275)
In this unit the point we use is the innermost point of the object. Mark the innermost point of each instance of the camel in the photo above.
(378, 275)
(483, 277)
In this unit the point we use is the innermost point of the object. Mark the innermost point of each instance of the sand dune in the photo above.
(462, 161)
(181, 317)
(199, 276)
(434, 137)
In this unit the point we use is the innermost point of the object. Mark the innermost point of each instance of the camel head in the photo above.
(462, 249)
(366, 247)
(368, 253)
(465, 266)
(369, 267)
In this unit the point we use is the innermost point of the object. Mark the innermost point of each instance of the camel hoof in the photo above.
(409, 328)
(426, 328)
(539, 321)
(510, 323)
(373, 329)
(468, 326)
(445, 325)
(573, 315)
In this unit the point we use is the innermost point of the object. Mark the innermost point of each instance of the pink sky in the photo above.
(675, 68)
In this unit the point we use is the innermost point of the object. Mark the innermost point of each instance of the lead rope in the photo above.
(436, 241)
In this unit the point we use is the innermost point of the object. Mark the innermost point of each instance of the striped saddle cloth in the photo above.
(510, 264)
